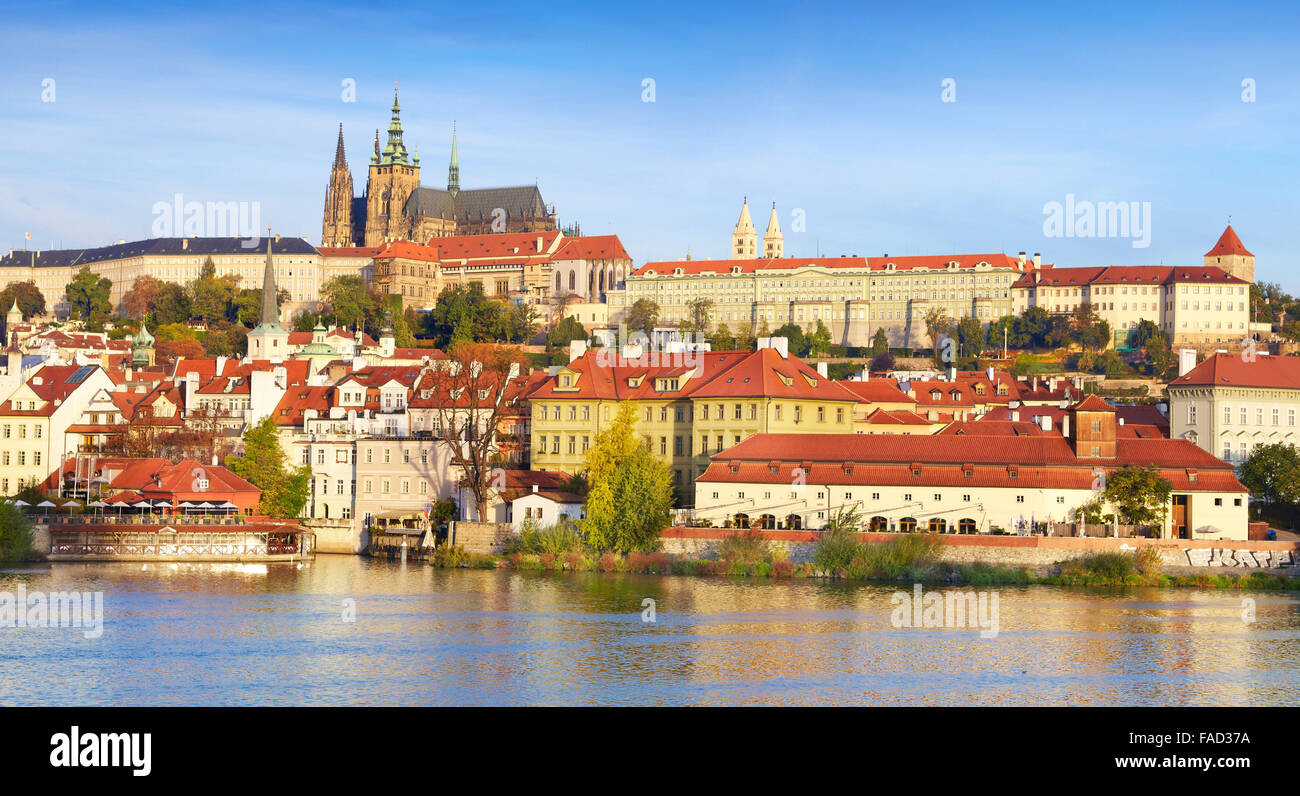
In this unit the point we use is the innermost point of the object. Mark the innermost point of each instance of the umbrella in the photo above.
(228, 505)
(47, 504)
(97, 504)
(162, 504)
(21, 503)
(187, 505)
(71, 503)
(121, 504)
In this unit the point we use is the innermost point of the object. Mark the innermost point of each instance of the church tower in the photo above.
(394, 176)
(269, 340)
(337, 227)
(453, 170)
(1232, 257)
(744, 239)
(773, 243)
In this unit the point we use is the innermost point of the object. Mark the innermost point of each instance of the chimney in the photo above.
(539, 243)
(577, 348)
(821, 370)
(1047, 422)
(1015, 415)
(1121, 421)
(1065, 425)
(185, 243)
(1022, 261)
(1186, 361)
(1038, 260)
(990, 373)
(535, 485)
(277, 237)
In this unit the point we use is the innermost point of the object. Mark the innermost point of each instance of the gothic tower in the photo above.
(269, 340)
(1231, 256)
(394, 175)
(337, 227)
(453, 170)
(773, 243)
(744, 239)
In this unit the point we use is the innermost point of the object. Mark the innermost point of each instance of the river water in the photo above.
(343, 630)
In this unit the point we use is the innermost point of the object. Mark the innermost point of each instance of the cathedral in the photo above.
(744, 238)
(395, 206)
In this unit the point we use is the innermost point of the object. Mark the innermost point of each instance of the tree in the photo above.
(879, 342)
(1140, 493)
(882, 363)
(722, 339)
(402, 335)
(225, 339)
(970, 336)
(937, 325)
(140, 300)
(88, 296)
(171, 304)
(518, 322)
(304, 321)
(1145, 330)
(797, 343)
(212, 295)
(1088, 329)
(1272, 473)
(567, 330)
(31, 301)
(263, 464)
(699, 312)
(631, 495)
(166, 353)
(1030, 328)
(643, 316)
(473, 392)
(15, 534)
(351, 303)
(819, 342)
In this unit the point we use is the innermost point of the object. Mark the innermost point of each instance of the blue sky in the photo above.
(831, 112)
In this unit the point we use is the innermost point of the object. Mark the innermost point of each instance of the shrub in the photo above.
(836, 549)
(15, 535)
(745, 546)
(1149, 561)
(557, 539)
(448, 556)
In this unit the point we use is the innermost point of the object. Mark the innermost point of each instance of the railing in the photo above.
(135, 519)
(178, 545)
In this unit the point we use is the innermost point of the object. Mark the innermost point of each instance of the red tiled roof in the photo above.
(930, 261)
(1039, 460)
(592, 247)
(1228, 244)
(877, 391)
(1282, 372)
(348, 251)
(1126, 274)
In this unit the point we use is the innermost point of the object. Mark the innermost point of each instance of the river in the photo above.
(342, 630)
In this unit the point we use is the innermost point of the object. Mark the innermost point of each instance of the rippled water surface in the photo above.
(208, 634)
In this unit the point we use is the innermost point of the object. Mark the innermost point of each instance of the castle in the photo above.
(395, 206)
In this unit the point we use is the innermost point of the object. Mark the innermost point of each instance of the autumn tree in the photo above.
(630, 497)
(30, 299)
(140, 299)
(473, 391)
(699, 313)
(166, 353)
(643, 316)
(263, 464)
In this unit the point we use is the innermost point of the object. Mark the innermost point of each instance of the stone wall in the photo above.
(41, 540)
(1039, 553)
(335, 536)
(481, 537)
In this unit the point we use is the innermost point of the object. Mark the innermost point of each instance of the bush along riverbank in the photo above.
(841, 555)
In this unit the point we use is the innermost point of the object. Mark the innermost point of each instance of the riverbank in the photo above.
(912, 558)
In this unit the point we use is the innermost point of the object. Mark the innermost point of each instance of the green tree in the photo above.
(722, 339)
(263, 464)
(1030, 328)
(643, 316)
(351, 303)
(819, 342)
(403, 337)
(631, 496)
(31, 301)
(879, 342)
(305, 321)
(1140, 493)
(88, 296)
(699, 313)
(15, 534)
(937, 325)
(566, 330)
(171, 304)
(798, 344)
(970, 336)
(1272, 473)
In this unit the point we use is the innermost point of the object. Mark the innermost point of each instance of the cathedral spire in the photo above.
(374, 159)
(395, 151)
(744, 238)
(773, 241)
(270, 301)
(340, 162)
(453, 170)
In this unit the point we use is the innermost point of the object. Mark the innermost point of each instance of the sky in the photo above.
(892, 128)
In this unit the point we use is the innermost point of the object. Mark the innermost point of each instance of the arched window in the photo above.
(938, 525)
(767, 522)
(557, 282)
(742, 520)
(966, 525)
(572, 280)
(907, 525)
(879, 524)
(794, 522)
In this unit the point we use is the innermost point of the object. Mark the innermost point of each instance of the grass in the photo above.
(910, 557)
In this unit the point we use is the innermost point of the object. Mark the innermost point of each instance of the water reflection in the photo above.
(279, 634)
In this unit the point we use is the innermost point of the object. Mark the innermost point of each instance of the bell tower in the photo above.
(337, 227)
(394, 176)
(744, 239)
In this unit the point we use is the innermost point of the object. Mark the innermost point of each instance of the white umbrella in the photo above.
(97, 504)
(162, 504)
(71, 503)
(228, 505)
(205, 505)
(46, 504)
(21, 503)
(122, 504)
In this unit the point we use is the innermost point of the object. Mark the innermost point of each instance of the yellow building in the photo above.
(689, 406)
